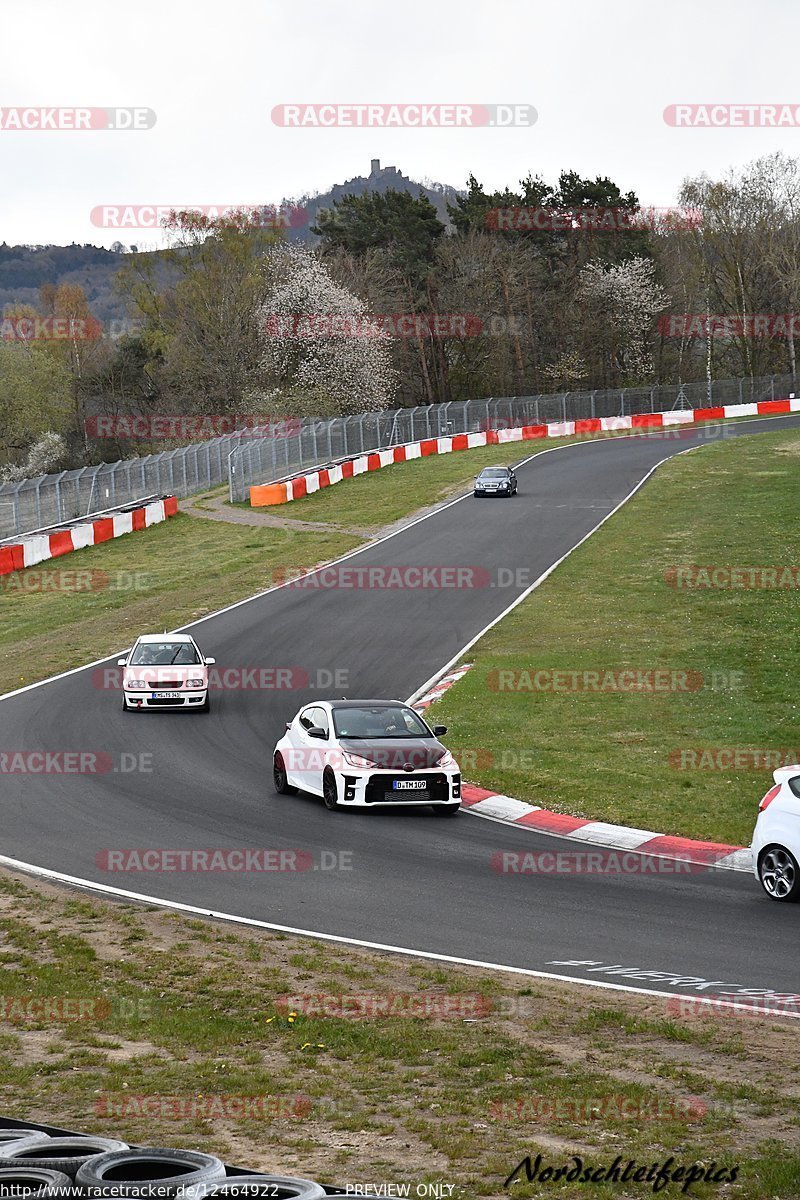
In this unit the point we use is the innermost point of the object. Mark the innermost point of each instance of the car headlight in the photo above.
(447, 760)
(357, 760)
(136, 685)
(195, 683)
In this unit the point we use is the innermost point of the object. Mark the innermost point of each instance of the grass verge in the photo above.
(183, 1018)
(657, 760)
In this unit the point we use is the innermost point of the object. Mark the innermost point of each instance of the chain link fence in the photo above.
(263, 456)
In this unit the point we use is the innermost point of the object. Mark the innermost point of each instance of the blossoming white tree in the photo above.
(625, 298)
(322, 355)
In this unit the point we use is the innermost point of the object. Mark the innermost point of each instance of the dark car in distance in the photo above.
(496, 481)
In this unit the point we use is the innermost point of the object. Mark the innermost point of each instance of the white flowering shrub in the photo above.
(46, 455)
(627, 297)
(322, 355)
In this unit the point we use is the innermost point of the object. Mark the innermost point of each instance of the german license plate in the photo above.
(410, 785)
(166, 696)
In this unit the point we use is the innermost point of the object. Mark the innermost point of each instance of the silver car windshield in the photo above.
(164, 654)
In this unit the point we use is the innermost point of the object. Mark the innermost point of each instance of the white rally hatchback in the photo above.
(165, 670)
(367, 754)
(776, 837)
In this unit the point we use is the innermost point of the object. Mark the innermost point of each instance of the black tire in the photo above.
(30, 1135)
(446, 810)
(206, 705)
(16, 1182)
(284, 1187)
(65, 1154)
(282, 785)
(140, 1172)
(779, 874)
(330, 791)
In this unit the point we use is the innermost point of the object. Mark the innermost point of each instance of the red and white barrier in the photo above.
(39, 547)
(306, 485)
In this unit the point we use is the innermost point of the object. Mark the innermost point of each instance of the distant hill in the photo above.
(380, 179)
(23, 269)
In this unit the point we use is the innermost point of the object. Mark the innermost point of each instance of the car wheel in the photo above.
(446, 810)
(206, 705)
(282, 785)
(330, 791)
(779, 874)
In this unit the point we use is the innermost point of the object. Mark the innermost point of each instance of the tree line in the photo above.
(548, 287)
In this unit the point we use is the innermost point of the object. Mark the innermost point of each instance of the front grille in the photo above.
(166, 703)
(380, 790)
(167, 685)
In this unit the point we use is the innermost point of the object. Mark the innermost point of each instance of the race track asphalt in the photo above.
(414, 881)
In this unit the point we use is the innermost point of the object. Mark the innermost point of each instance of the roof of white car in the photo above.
(165, 637)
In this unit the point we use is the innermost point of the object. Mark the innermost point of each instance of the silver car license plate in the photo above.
(410, 785)
(166, 696)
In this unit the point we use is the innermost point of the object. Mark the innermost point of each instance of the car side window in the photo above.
(314, 717)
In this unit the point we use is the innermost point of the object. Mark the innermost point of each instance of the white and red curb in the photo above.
(32, 550)
(441, 687)
(298, 486)
(598, 833)
(497, 807)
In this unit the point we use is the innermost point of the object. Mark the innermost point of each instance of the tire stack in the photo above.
(37, 1166)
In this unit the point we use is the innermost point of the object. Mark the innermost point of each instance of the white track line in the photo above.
(176, 905)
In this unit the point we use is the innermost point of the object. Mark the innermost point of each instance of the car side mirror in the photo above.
(439, 730)
(316, 732)
(121, 662)
(209, 661)
(288, 726)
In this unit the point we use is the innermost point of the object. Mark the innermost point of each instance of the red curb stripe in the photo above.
(552, 822)
(470, 794)
(774, 406)
(103, 530)
(708, 414)
(679, 847)
(61, 543)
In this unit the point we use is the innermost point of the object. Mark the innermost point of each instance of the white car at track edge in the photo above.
(165, 670)
(776, 837)
(367, 754)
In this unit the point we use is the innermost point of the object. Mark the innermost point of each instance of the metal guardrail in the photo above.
(260, 456)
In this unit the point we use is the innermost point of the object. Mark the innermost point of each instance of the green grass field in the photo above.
(629, 758)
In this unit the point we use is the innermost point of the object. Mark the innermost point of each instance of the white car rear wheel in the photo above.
(779, 874)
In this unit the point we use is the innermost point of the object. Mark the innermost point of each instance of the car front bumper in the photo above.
(190, 699)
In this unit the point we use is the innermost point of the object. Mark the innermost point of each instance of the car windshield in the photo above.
(494, 473)
(379, 721)
(164, 654)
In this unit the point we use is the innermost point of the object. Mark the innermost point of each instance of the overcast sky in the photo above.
(598, 72)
